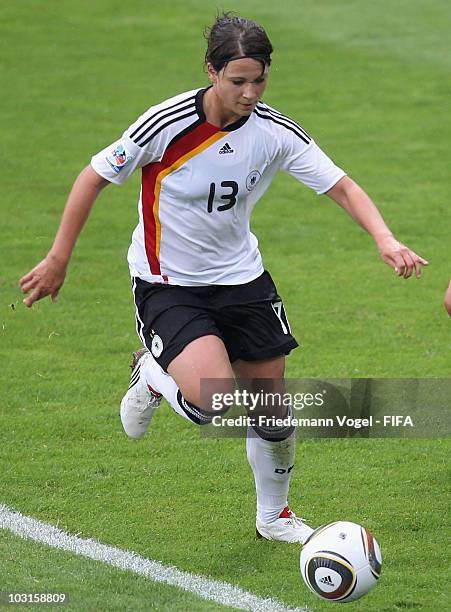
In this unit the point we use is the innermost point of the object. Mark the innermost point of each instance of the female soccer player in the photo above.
(205, 306)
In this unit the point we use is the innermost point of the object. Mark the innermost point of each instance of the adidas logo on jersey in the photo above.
(226, 149)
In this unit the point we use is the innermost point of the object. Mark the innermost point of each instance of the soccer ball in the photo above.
(341, 561)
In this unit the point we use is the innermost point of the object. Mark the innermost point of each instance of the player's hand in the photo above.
(447, 301)
(402, 259)
(45, 279)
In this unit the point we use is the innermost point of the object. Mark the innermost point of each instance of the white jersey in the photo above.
(200, 184)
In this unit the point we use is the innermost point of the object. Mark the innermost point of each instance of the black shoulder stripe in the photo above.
(278, 115)
(285, 125)
(165, 125)
(163, 110)
(283, 118)
(138, 139)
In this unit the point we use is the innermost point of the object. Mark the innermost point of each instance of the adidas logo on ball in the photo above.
(327, 580)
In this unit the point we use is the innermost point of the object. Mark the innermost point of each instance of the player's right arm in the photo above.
(48, 276)
(142, 143)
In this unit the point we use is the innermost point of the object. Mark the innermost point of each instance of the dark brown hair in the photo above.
(232, 38)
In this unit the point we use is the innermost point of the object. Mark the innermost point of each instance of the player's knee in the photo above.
(209, 395)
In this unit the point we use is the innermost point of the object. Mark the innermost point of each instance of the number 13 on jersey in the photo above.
(230, 197)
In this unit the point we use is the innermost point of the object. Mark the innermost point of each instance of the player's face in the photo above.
(239, 85)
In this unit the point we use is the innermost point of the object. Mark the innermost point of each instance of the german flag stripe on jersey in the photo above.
(190, 142)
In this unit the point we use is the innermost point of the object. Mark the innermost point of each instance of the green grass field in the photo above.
(370, 81)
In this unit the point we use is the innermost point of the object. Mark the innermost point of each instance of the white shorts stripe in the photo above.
(139, 322)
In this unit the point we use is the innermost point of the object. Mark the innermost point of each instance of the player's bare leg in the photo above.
(203, 358)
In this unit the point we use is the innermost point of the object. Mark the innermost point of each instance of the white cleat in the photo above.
(140, 401)
(287, 528)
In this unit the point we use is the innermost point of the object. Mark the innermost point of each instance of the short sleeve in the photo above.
(120, 159)
(303, 159)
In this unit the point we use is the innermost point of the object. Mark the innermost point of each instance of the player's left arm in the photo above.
(362, 209)
(447, 301)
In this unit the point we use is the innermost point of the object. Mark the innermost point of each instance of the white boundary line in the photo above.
(221, 592)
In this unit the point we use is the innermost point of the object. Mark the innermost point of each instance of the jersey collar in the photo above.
(200, 111)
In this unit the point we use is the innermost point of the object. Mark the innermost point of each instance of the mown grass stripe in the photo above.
(221, 592)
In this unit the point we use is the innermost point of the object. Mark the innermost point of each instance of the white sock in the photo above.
(272, 463)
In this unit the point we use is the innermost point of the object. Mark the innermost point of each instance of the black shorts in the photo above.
(250, 319)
